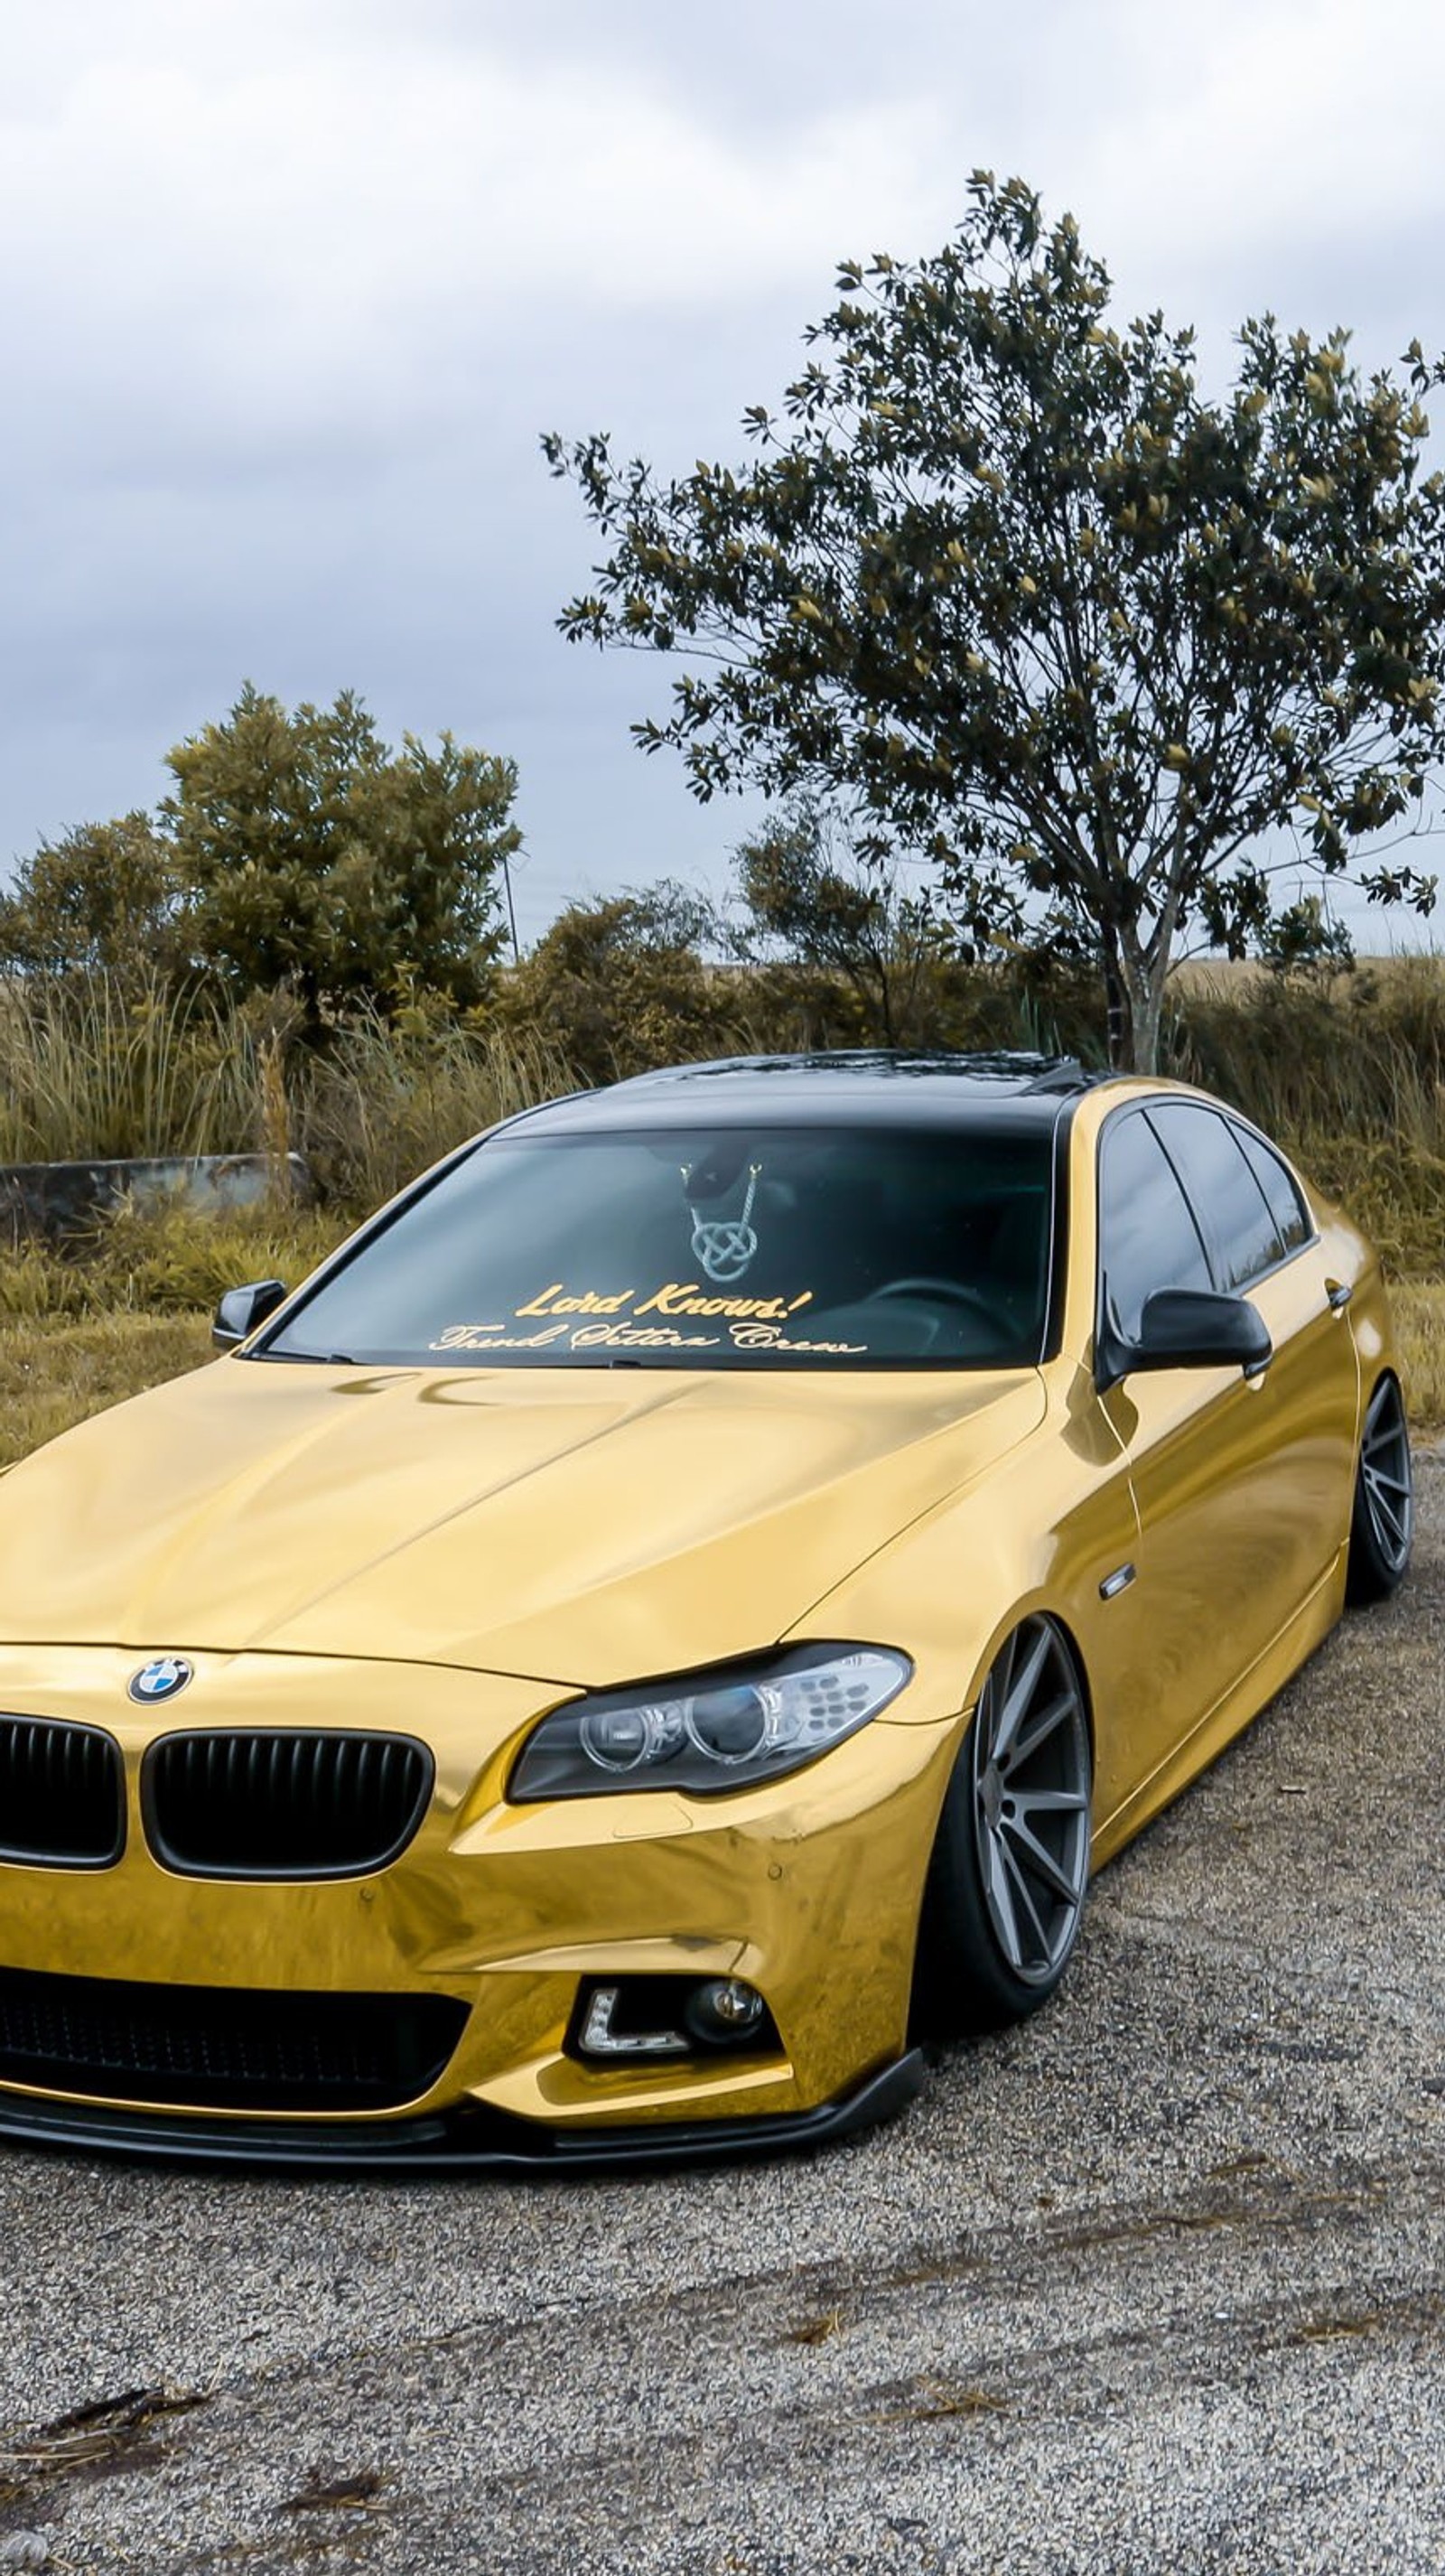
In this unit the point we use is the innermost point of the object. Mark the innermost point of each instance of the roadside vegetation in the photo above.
(1347, 1068)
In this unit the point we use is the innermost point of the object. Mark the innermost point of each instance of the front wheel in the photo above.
(1010, 1865)
(1383, 1522)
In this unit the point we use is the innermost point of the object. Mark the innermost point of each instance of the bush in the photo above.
(102, 901)
(622, 986)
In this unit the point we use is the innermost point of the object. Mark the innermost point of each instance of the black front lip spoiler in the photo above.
(479, 2142)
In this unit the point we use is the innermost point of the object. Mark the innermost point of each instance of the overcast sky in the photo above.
(289, 290)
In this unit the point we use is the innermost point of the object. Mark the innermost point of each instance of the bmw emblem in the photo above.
(160, 1679)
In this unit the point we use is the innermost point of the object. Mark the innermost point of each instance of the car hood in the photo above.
(576, 1527)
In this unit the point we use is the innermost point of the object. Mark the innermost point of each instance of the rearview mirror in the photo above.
(1188, 1328)
(242, 1309)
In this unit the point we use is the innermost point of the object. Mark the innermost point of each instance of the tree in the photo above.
(1006, 582)
(310, 853)
(102, 900)
(809, 900)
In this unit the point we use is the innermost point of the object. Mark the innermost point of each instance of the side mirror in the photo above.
(1188, 1328)
(241, 1310)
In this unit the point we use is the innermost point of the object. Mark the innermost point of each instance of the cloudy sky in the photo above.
(289, 290)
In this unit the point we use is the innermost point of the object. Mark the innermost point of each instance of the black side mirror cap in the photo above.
(241, 1310)
(1188, 1328)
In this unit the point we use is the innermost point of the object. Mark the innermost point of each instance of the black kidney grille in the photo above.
(222, 2048)
(288, 1803)
(62, 1794)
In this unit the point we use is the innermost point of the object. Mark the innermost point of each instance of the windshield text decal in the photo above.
(587, 1319)
(678, 1297)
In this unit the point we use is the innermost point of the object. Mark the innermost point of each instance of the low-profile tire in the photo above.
(1010, 1865)
(1382, 1525)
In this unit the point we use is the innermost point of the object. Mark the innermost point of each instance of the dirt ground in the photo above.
(1154, 2283)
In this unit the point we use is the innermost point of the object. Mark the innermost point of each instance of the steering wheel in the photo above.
(952, 1289)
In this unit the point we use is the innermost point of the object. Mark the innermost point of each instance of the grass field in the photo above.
(54, 1373)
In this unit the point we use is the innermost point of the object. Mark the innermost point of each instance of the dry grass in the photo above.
(92, 1069)
(55, 1373)
(83, 1330)
(384, 1102)
(1419, 1311)
(176, 1264)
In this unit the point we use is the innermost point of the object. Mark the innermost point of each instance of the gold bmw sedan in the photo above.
(663, 1624)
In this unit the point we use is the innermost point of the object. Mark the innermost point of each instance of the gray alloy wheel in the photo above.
(1010, 1865)
(1031, 1801)
(1383, 1524)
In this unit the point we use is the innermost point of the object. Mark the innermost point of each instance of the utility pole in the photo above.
(511, 910)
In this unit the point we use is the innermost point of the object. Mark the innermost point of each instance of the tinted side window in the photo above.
(1233, 1212)
(1278, 1187)
(1147, 1236)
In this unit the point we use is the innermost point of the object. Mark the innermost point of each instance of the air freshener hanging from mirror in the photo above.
(726, 1246)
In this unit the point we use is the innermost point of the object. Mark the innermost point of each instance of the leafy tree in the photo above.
(1303, 940)
(102, 900)
(312, 854)
(809, 900)
(1004, 580)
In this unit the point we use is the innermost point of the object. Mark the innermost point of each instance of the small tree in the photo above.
(100, 901)
(809, 900)
(310, 853)
(1004, 581)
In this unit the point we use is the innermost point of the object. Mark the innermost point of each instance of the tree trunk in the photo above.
(1143, 979)
(1116, 1003)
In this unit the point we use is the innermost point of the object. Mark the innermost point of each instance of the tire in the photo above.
(1009, 1871)
(1382, 1524)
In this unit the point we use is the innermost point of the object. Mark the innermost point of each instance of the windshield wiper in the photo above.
(309, 1359)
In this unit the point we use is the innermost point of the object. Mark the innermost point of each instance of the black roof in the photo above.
(869, 1086)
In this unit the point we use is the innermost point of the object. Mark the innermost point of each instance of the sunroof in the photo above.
(1001, 1070)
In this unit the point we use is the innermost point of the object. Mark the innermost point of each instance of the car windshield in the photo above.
(827, 1247)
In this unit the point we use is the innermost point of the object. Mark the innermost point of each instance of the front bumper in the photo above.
(808, 1888)
(455, 2143)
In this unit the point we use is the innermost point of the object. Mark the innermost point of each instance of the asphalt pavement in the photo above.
(1156, 2282)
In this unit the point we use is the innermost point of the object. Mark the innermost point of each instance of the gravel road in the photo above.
(1155, 2283)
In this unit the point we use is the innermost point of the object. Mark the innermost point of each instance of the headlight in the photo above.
(711, 1731)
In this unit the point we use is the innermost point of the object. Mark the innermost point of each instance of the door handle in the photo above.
(1338, 1293)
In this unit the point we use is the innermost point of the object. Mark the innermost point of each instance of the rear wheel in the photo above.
(1383, 1523)
(1010, 1866)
